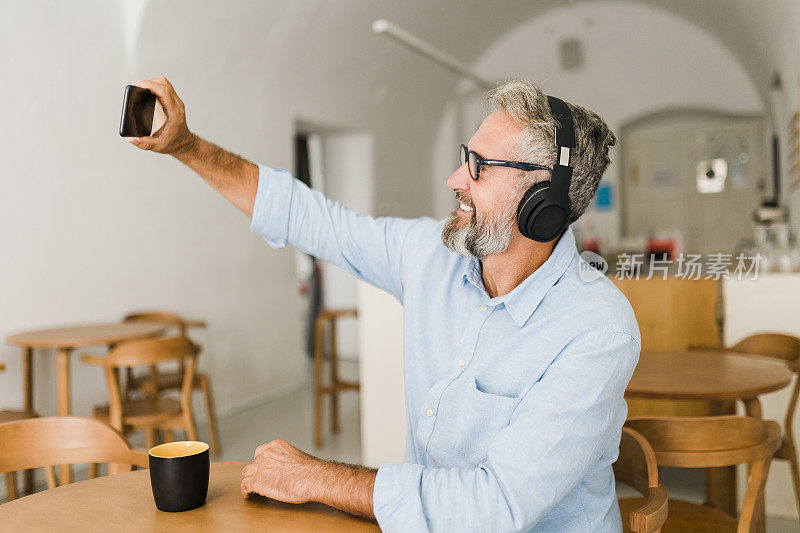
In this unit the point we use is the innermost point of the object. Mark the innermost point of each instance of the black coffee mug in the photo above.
(179, 475)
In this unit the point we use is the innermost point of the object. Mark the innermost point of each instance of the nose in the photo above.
(460, 179)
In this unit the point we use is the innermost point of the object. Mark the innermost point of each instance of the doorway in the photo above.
(695, 176)
(340, 165)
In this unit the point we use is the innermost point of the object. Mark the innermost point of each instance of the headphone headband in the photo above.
(565, 127)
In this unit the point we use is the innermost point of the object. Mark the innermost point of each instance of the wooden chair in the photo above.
(10, 415)
(148, 414)
(160, 380)
(636, 467)
(336, 385)
(673, 314)
(785, 348)
(706, 442)
(55, 440)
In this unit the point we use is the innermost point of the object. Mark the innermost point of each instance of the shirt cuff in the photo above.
(395, 498)
(272, 205)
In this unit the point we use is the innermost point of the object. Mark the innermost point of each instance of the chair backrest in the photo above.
(777, 345)
(714, 441)
(56, 440)
(674, 313)
(170, 319)
(146, 352)
(636, 467)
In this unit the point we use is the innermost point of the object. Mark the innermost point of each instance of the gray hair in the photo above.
(527, 105)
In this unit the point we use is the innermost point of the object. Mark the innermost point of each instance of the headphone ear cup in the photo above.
(530, 201)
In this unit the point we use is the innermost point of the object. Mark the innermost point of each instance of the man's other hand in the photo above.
(173, 137)
(281, 472)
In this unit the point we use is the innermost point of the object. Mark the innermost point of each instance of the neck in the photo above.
(504, 271)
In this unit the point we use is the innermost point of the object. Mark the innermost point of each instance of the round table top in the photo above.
(124, 502)
(697, 375)
(74, 336)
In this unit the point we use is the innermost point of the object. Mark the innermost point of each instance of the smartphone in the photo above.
(138, 112)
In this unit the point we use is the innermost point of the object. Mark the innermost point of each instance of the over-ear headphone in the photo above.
(543, 212)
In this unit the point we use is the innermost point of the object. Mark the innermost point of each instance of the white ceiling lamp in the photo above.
(389, 29)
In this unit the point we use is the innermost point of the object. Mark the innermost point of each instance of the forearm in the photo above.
(345, 487)
(231, 175)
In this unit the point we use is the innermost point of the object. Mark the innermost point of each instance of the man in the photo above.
(515, 368)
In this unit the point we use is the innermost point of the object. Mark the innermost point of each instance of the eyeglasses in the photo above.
(476, 162)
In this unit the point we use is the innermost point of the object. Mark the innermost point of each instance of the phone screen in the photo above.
(138, 108)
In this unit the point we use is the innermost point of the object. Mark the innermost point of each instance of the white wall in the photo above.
(92, 228)
(638, 60)
(382, 395)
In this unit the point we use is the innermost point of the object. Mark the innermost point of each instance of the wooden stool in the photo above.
(9, 415)
(158, 380)
(336, 385)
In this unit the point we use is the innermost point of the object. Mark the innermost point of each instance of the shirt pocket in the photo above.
(479, 417)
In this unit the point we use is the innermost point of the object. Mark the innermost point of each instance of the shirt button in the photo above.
(461, 362)
(484, 308)
(429, 412)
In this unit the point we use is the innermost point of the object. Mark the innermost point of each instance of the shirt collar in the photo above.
(523, 300)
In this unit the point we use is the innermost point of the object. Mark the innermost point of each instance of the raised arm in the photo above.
(231, 175)
(282, 209)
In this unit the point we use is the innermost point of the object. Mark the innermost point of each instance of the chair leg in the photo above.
(791, 455)
(149, 437)
(188, 424)
(317, 417)
(169, 435)
(28, 482)
(335, 411)
(334, 362)
(128, 381)
(11, 487)
(318, 349)
(92, 470)
(152, 387)
(205, 384)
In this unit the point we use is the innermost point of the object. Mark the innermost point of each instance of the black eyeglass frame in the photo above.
(480, 161)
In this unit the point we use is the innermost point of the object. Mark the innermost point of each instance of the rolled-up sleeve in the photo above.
(556, 435)
(286, 211)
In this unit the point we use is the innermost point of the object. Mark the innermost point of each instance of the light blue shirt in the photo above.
(514, 404)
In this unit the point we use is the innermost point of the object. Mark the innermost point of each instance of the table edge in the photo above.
(49, 344)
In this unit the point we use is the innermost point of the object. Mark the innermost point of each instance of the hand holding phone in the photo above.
(158, 117)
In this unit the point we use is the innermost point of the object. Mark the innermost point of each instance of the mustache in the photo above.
(464, 200)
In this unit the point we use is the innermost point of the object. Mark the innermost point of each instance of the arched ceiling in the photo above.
(755, 32)
(303, 46)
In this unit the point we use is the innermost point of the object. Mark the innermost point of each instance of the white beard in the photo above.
(481, 236)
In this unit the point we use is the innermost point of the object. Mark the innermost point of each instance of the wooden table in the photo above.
(714, 376)
(124, 502)
(65, 340)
